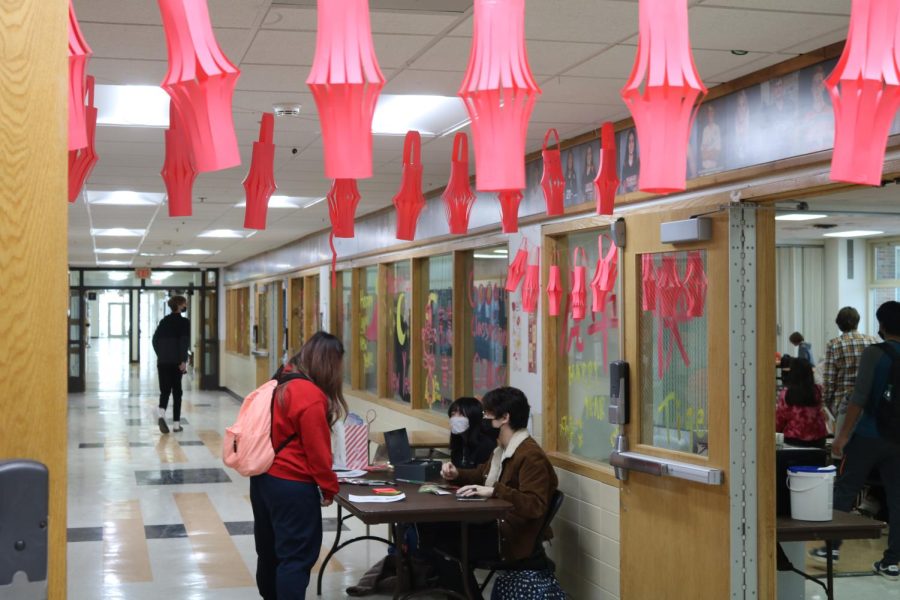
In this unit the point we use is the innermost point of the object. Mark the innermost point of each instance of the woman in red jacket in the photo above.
(287, 500)
(798, 414)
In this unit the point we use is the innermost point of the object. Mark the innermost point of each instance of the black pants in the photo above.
(862, 455)
(287, 529)
(170, 382)
(484, 545)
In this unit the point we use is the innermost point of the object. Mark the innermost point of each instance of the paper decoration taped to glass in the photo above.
(259, 184)
(458, 195)
(409, 200)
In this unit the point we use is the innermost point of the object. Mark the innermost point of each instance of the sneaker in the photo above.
(892, 572)
(163, 428)
(177, 427)
(820, 554)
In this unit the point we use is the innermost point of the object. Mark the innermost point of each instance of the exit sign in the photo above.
(142, 273)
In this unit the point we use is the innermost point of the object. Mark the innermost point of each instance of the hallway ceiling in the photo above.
(855, 209)
(581, 52)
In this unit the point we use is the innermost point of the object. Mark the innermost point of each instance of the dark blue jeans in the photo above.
(287, 527)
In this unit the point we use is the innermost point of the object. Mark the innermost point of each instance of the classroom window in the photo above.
(437, 333)
(237, 312)
(295, 323)
(674, 347)
(344, 325)
(262, 318)
(486, 339)
(368, 329)
(884, 278)
(399, 289)
(586, 348)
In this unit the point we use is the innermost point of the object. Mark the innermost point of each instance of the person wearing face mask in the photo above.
(171, 342)
(472, 439)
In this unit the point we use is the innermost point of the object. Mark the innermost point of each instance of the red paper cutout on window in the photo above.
(664, 109)
(695, 284)
(79, 52)
(531, 289)
(200, 82)
(670, 313)
(607, 181)
(458, 195)
(603, 326)
(82, 161)
(409, 200)
(516, 269)
(509, 209)
(499, 92)
(345, 81)
(554, 289)
(604, 279)
(553, 182)
(178, 171)
(648, 283)
(260, 181)
(865, 91)
(578, 285)
(342, 201)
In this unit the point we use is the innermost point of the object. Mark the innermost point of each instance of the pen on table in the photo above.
(410, 481)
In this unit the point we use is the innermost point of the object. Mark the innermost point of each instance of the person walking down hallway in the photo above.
(171, 342)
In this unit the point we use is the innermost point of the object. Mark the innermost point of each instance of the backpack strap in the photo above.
(282, 378)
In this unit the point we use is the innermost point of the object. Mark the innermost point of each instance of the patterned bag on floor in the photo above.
(527, 585)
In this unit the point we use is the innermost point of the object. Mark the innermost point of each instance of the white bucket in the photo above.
(812, 492)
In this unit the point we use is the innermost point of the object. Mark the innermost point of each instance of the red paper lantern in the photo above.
(579, 285)
(260, 181)
(345, 81)
(509, 209)
(553, 182)
(865, 91)
(531, 288)
(499, 92)
(82, 162)
(604, 280)
(516, 269)
(554, 290)
(342, 201)
(661, 94)
(178, 171)
(458, 196)
(79, 52)
(607, 181)
(409, 200)
(200, 82)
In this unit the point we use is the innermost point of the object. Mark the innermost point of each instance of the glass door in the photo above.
(76, 335)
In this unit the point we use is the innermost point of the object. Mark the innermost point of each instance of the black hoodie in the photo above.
(172, 339)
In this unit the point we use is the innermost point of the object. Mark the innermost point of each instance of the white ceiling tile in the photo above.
(834, 7)
(149, 42)
(580, 20)
(580, 90)
(414, 81)
(762, 31)
(223, 13)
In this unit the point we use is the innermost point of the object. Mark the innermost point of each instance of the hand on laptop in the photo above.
(482, 491)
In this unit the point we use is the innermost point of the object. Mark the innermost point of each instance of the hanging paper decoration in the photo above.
(865, 91)
(79, 52)
(82, 162)
(499, 92)
(604, 279)
(670, 314)
(342, 201)
(178, 171)
(553, 182)
(409, 200)
(345, 81)
(579, 285)
(531, 288)
(661, 94)
(516, 269)
(554, 289)
(200, 82)
(458, 196)
(695, 284)
(260, 181)
(607, 181)
(509, 209)
(648, 283)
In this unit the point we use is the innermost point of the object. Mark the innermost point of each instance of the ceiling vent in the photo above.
(406, 6)
(287, 109)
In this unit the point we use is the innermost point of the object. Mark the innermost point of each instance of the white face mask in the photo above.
(458, 425)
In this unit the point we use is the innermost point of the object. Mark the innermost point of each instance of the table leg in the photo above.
(464, 557)
(829, 546)
(331, 551)
(403, 574)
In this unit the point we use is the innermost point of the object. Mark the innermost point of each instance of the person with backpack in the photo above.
(171, 342)
(287, 500)
(870, 436)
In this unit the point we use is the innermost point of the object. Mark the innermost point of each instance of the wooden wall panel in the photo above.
(33, 262)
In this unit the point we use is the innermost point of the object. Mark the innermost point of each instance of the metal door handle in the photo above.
(634, 461)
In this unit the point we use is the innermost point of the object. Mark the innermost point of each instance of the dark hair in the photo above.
(469, 407)
(796, 337)
(801, 389)
(888, 315)
(176, 302)
(466, 446)
(785, 366)
(847, 319)
(322, 359)
(508, 401)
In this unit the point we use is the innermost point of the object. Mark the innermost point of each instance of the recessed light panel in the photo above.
(223, 233)
(800, 216)
(853, 234)
(115, 251)
(118, 232)
(125, 198)
(198, 252)
(429, 115)
(132, 105)
(179, 263)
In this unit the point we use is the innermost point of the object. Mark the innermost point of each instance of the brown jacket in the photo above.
(527, 480)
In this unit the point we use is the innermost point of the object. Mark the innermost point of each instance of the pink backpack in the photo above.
(247, 445)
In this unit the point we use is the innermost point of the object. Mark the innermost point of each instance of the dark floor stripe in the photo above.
(190, 443)
(181, 476)
(85, 534)
(168, 532)
(138, 422)
(88, 445)
(164, 532)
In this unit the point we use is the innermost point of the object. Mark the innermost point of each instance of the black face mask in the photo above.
(881, 334)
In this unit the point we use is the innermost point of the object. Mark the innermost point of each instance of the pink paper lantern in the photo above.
(578, 293)
(865, 91)
(509, 209)
(607, 181)
(200, 82)
(79, 52)
(345, 81)
(554, 290)
(499, 92)
(661, 94)
(82, 161)
(409, 200)
(178, 170)
(553, 182)
(342, 201)
(260, 181)
(516, 269)
(531, 288)
(458, 196)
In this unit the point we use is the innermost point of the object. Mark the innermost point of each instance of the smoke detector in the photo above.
(287, 109)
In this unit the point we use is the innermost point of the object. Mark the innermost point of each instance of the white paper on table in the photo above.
(396, 498)
(349, 473)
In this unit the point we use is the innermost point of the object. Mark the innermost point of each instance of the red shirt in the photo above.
(805, 423)
(307, 457)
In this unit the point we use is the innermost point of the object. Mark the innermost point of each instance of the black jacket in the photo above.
(472, 448)
(172, 339)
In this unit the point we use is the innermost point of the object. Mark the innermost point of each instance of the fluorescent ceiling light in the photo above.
(800, 216)
(156, 254)
(125, 198)
(132, 105)
(501, 251)
(198, 252)
(160, 275)
(314, 202)
(118, 232)
(429, 115)
(179, 263)
(114, 251)
(853, 234)
(118, 275)
(284, 201)
(113, 263)
(284, 266)
(224, 233)
(500, 256)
